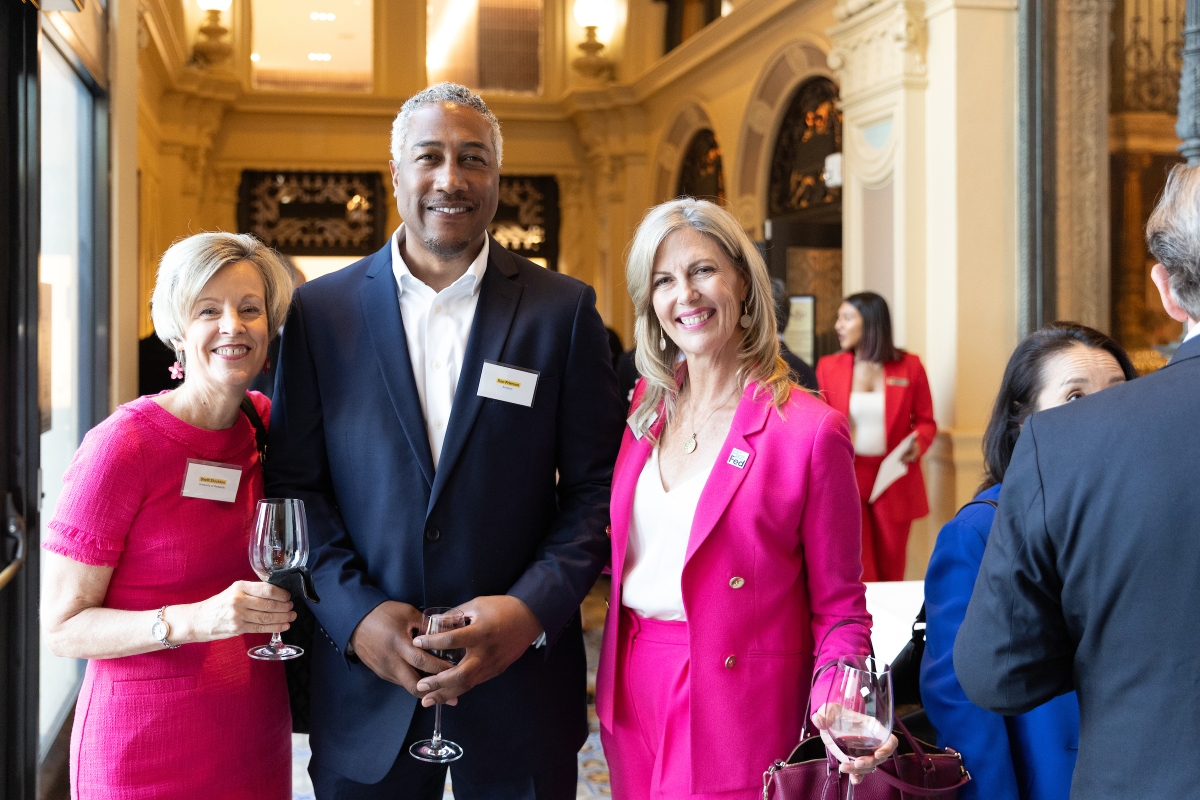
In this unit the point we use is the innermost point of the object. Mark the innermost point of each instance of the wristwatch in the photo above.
(160, 630)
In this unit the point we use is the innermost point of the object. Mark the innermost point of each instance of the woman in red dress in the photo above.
(885, 394)
(151, 582)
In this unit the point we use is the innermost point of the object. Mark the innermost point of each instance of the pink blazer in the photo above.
(773, 562)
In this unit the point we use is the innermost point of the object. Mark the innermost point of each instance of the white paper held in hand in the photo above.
(891, 469)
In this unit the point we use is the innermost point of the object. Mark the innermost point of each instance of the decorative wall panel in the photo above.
(315, 213)
(527, 219)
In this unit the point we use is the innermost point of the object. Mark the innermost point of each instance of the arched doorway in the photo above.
(804, 212)
(701, 174)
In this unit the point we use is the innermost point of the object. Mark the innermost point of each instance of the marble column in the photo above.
(1082, 253)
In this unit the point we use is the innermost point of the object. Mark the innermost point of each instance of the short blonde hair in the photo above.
(758, 356)
(189, 264)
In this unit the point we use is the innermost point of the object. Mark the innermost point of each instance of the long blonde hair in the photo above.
(758, 355)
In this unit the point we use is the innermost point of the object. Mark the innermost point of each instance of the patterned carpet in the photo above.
(593, 768)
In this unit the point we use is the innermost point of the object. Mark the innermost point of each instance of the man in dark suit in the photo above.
(448, 413)
(801, 371)
(1089, 579)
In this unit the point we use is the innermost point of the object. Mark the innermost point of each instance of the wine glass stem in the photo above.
(849, 788)
(276, 642)
(436, 742)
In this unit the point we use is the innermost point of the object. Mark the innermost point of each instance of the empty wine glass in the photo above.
(858, 713)
(438, 750)
(280, 541)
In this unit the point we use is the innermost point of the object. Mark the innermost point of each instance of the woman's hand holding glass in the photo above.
(856, 720)
(245, 607)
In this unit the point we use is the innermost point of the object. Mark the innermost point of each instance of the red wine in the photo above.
(453, 656)
(857, 746)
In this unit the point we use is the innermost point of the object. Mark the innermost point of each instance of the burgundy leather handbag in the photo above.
(916, 769)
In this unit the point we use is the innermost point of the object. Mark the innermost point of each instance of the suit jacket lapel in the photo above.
(628, 471)
(381, 309)
(725, 478)
(499, 296)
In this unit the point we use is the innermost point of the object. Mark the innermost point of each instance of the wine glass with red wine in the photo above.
(438, 750)
(858, 713)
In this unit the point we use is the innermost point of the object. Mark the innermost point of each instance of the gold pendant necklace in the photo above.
(689, 445)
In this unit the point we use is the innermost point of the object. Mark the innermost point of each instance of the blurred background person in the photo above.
(885, 394)
(153, 586)
(1088, 581)
(264, 382)
(766, 565)
(802, 372)
(1030, 756)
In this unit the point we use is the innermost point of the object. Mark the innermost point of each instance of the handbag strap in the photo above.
(804, 734)
(260, 430)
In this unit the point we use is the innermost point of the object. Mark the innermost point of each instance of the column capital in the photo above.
(878, 46)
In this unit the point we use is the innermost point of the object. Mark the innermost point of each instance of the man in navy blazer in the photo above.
(449, 414)
(1089, 579)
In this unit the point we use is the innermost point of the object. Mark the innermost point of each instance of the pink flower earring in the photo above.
(177, 369)
(266, 366)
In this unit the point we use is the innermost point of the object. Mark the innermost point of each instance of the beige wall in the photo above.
(616, 147)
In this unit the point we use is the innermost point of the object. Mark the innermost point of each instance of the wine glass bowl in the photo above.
(279, 542)
(438, 750)
(858, 712)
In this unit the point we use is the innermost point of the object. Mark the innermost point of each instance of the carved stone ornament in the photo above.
(848, 8)
(884, 43)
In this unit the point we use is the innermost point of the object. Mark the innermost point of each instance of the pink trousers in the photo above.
(649, 748)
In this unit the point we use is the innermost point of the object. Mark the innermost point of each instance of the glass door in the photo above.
(64, 305)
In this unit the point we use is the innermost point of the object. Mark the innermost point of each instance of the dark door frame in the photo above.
(19, 439)
(1037, 195)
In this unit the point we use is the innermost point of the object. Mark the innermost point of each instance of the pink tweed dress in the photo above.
(204, 720)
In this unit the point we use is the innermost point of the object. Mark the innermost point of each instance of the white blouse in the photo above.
(659, 530)
(866, 421)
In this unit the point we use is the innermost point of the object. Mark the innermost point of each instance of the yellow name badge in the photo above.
(208, 480)
(508, 383)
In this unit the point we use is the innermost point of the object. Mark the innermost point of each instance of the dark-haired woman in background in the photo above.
(1032, 756)
(885, 394)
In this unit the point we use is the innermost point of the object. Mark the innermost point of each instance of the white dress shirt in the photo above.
(437, 326)
(866, 418)
(659, 530)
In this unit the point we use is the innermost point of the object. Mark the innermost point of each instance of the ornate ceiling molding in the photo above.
(880, 48)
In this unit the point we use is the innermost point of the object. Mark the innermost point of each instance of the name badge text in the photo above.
(208, 480)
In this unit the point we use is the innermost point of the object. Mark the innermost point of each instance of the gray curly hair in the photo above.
(1173, 236)
(445, 93)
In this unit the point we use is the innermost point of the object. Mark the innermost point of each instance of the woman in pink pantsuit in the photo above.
(154, 586)
(735, 528)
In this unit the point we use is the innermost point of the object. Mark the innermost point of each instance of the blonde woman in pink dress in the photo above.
(151, 583)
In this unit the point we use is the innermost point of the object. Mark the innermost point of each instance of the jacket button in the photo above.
(736, 583)
(608, 531)
(730, 662)
(432, 534)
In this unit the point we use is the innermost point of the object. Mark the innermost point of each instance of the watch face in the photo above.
(159, 630)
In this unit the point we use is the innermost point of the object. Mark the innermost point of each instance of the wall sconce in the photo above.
(211, 48)
(593, 14)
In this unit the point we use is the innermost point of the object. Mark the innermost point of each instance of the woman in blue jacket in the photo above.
(1031, 756)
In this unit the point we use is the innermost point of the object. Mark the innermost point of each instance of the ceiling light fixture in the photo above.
(211, 48)
(255, 57)
(593, 14)
(322, 16)
(320, 57)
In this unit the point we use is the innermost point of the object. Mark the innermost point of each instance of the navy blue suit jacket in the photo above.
(1028, 757)
(518, 504)
(1089, 581)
